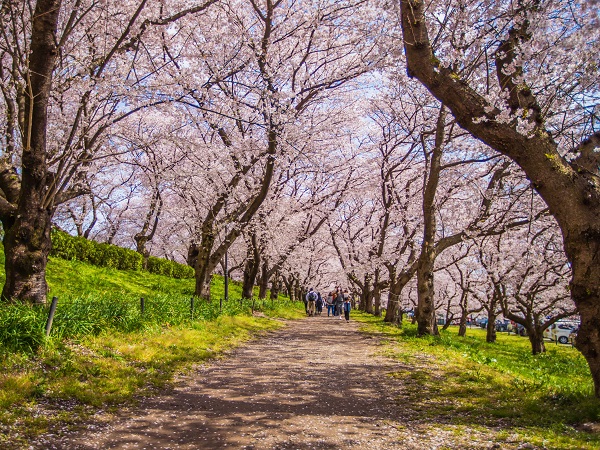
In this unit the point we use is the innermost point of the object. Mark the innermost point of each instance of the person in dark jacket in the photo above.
(319, 303)
(338, 302)
(347, 306)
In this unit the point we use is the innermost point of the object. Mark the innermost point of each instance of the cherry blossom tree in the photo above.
(67, 75)
(523, 79)
(528, 272)
(276, 68)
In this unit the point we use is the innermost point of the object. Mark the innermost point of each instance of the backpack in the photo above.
(312, 296)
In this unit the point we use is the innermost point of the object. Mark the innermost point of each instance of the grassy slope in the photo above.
(68, 380)
(543, 399)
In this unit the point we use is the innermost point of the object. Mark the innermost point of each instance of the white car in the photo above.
(560, 332)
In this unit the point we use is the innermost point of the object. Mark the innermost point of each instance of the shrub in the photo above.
(78, 248)
(160, 266)
(169, 268)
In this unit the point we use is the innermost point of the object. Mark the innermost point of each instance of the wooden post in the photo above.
(51, 315)
(192, 308)
(142, 305)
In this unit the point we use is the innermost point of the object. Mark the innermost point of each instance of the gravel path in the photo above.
(316, 384)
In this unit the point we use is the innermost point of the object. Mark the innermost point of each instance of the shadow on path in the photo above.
(314, 384)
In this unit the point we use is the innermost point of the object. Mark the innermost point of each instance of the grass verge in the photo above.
(104, 351)
(65, 383)
(545, 400)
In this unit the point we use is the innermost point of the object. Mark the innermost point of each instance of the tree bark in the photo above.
(393, 313)
(464, 313)
(275, 286)
(27, 225)
(263, 285)
(367, 294)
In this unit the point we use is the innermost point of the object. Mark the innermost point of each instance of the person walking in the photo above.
(329, 301)
(339, 301)
(311, 298)
(347, 306)
(319, 303)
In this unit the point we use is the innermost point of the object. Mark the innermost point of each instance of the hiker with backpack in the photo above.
(311, 298)
(329, 302)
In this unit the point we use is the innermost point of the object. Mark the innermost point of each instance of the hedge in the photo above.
(81, 249)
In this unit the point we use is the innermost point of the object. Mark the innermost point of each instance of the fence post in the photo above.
(192, 308)
(51, 315)
(142, 305)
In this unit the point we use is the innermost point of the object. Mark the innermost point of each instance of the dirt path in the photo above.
(316, 384)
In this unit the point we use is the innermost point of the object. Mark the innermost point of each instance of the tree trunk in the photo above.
(462, 326)
(425, 266)
(198, 258)
(393, 308)
(251, 267)
(275, 286)
(536, 338)
(27, 227)
(27, 245)
(264, 281)
(141, 241)
(377, 301)
(397, 283)
(377, 295)
(297, 289)
(490, 335)
(366, 296)
(464, 313)
(289, 286)
(143, 237)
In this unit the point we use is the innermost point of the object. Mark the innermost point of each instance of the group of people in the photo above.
(337, 301)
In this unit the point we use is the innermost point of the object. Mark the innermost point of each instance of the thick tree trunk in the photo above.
(394, 312)
(462, 327)
(141, 241)
(198, 258)
(490, 335)
(536, 338)
(275, 286)
(297, 290)
(393, 308)
(377, 297)
(27, 245)
(202, 289)
(27, 229)
(289, 286)
(263, 286)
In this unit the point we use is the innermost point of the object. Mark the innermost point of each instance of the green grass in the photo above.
(103, 351)
(543, 399)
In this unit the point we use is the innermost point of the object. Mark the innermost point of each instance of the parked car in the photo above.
(560, 332)
(502, 325)
(521, 331)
